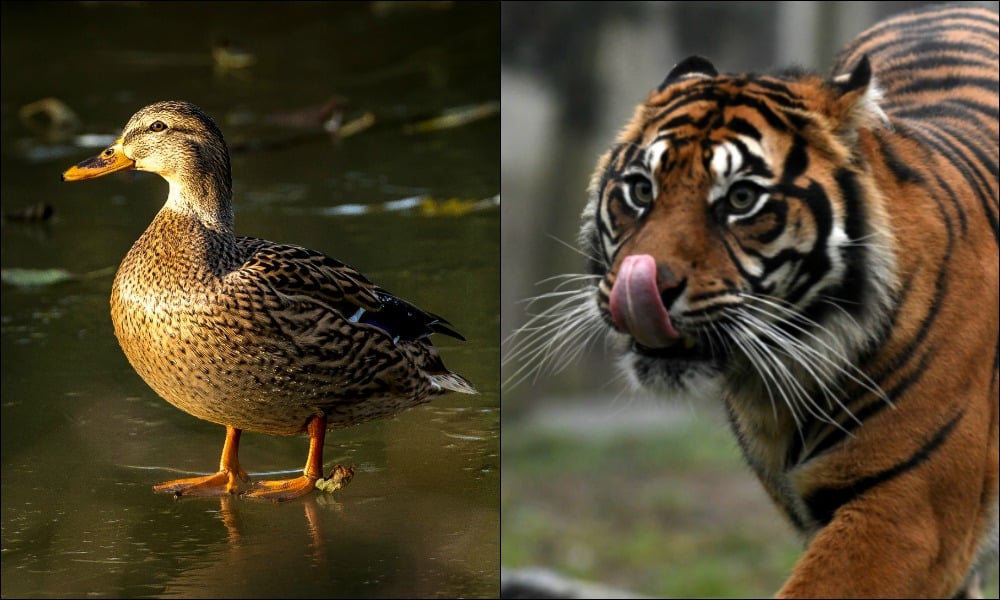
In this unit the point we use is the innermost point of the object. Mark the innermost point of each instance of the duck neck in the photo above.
(194, 229)
(208, 199)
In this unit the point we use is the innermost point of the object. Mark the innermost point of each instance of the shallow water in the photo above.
(84, 439)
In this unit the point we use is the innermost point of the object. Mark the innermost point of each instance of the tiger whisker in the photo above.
(786, 381)
(749, 345)
(716, 330)
(576, 250)
(555, 337)
(842, 364)
(803, 356)
(566, 279)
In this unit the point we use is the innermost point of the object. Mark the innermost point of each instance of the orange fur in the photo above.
(895, 212)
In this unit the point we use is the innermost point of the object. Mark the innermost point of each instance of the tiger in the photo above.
(820, 253)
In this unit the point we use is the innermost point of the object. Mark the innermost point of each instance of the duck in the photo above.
(250, 334)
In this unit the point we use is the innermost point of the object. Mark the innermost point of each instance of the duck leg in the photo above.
(286, 489)
(226, 481)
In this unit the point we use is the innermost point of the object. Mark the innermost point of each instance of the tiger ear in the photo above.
(857, 79)
(697, 66)
(856, 97)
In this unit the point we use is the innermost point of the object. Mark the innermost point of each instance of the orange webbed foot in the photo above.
(287, 489)
(223, 483)
(281, 490)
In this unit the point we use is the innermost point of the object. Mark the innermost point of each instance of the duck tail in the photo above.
(452, 382)
(439, 376)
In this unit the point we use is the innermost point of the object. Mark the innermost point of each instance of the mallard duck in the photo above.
(247, 333)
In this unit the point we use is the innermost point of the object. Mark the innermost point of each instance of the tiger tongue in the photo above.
(636, 307)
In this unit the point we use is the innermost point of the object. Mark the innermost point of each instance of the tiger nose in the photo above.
(668, 284)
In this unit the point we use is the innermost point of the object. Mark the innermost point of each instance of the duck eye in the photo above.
(157, 126)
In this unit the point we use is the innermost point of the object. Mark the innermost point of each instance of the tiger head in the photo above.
(737, 234)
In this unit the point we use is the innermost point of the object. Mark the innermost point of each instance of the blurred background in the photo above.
(367, 131)
(600, 482)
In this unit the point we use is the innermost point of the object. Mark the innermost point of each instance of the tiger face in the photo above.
(734, 233)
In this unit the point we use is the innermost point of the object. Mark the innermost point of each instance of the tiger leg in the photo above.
(972, 588)
(912, 536)
(871, 551)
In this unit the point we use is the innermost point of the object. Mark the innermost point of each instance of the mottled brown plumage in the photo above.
(247, 333)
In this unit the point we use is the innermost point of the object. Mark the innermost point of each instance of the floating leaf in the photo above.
(356, 126)
(35, 277)
(227, 57)
(35, 213)
(339, 477)
(49, 117)
(449, 207)
(422, 205)
(455, 117)
(40, 277)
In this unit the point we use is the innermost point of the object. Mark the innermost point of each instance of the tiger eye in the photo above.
(640, 189)
(741, 197)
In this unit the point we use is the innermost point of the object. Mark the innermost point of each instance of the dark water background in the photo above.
(84, 439)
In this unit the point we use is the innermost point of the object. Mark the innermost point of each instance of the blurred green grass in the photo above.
(661, 506)
(660, 510)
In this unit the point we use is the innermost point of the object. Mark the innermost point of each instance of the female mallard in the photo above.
(247, 333)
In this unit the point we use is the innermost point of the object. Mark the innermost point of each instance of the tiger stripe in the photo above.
(827, 249)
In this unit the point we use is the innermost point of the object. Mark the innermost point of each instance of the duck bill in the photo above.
(111, 160)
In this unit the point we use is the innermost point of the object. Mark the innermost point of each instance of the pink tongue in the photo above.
(636, 307)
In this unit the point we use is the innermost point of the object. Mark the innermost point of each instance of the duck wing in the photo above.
(293, 274)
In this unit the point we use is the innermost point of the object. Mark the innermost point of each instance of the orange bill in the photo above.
(109, 161)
